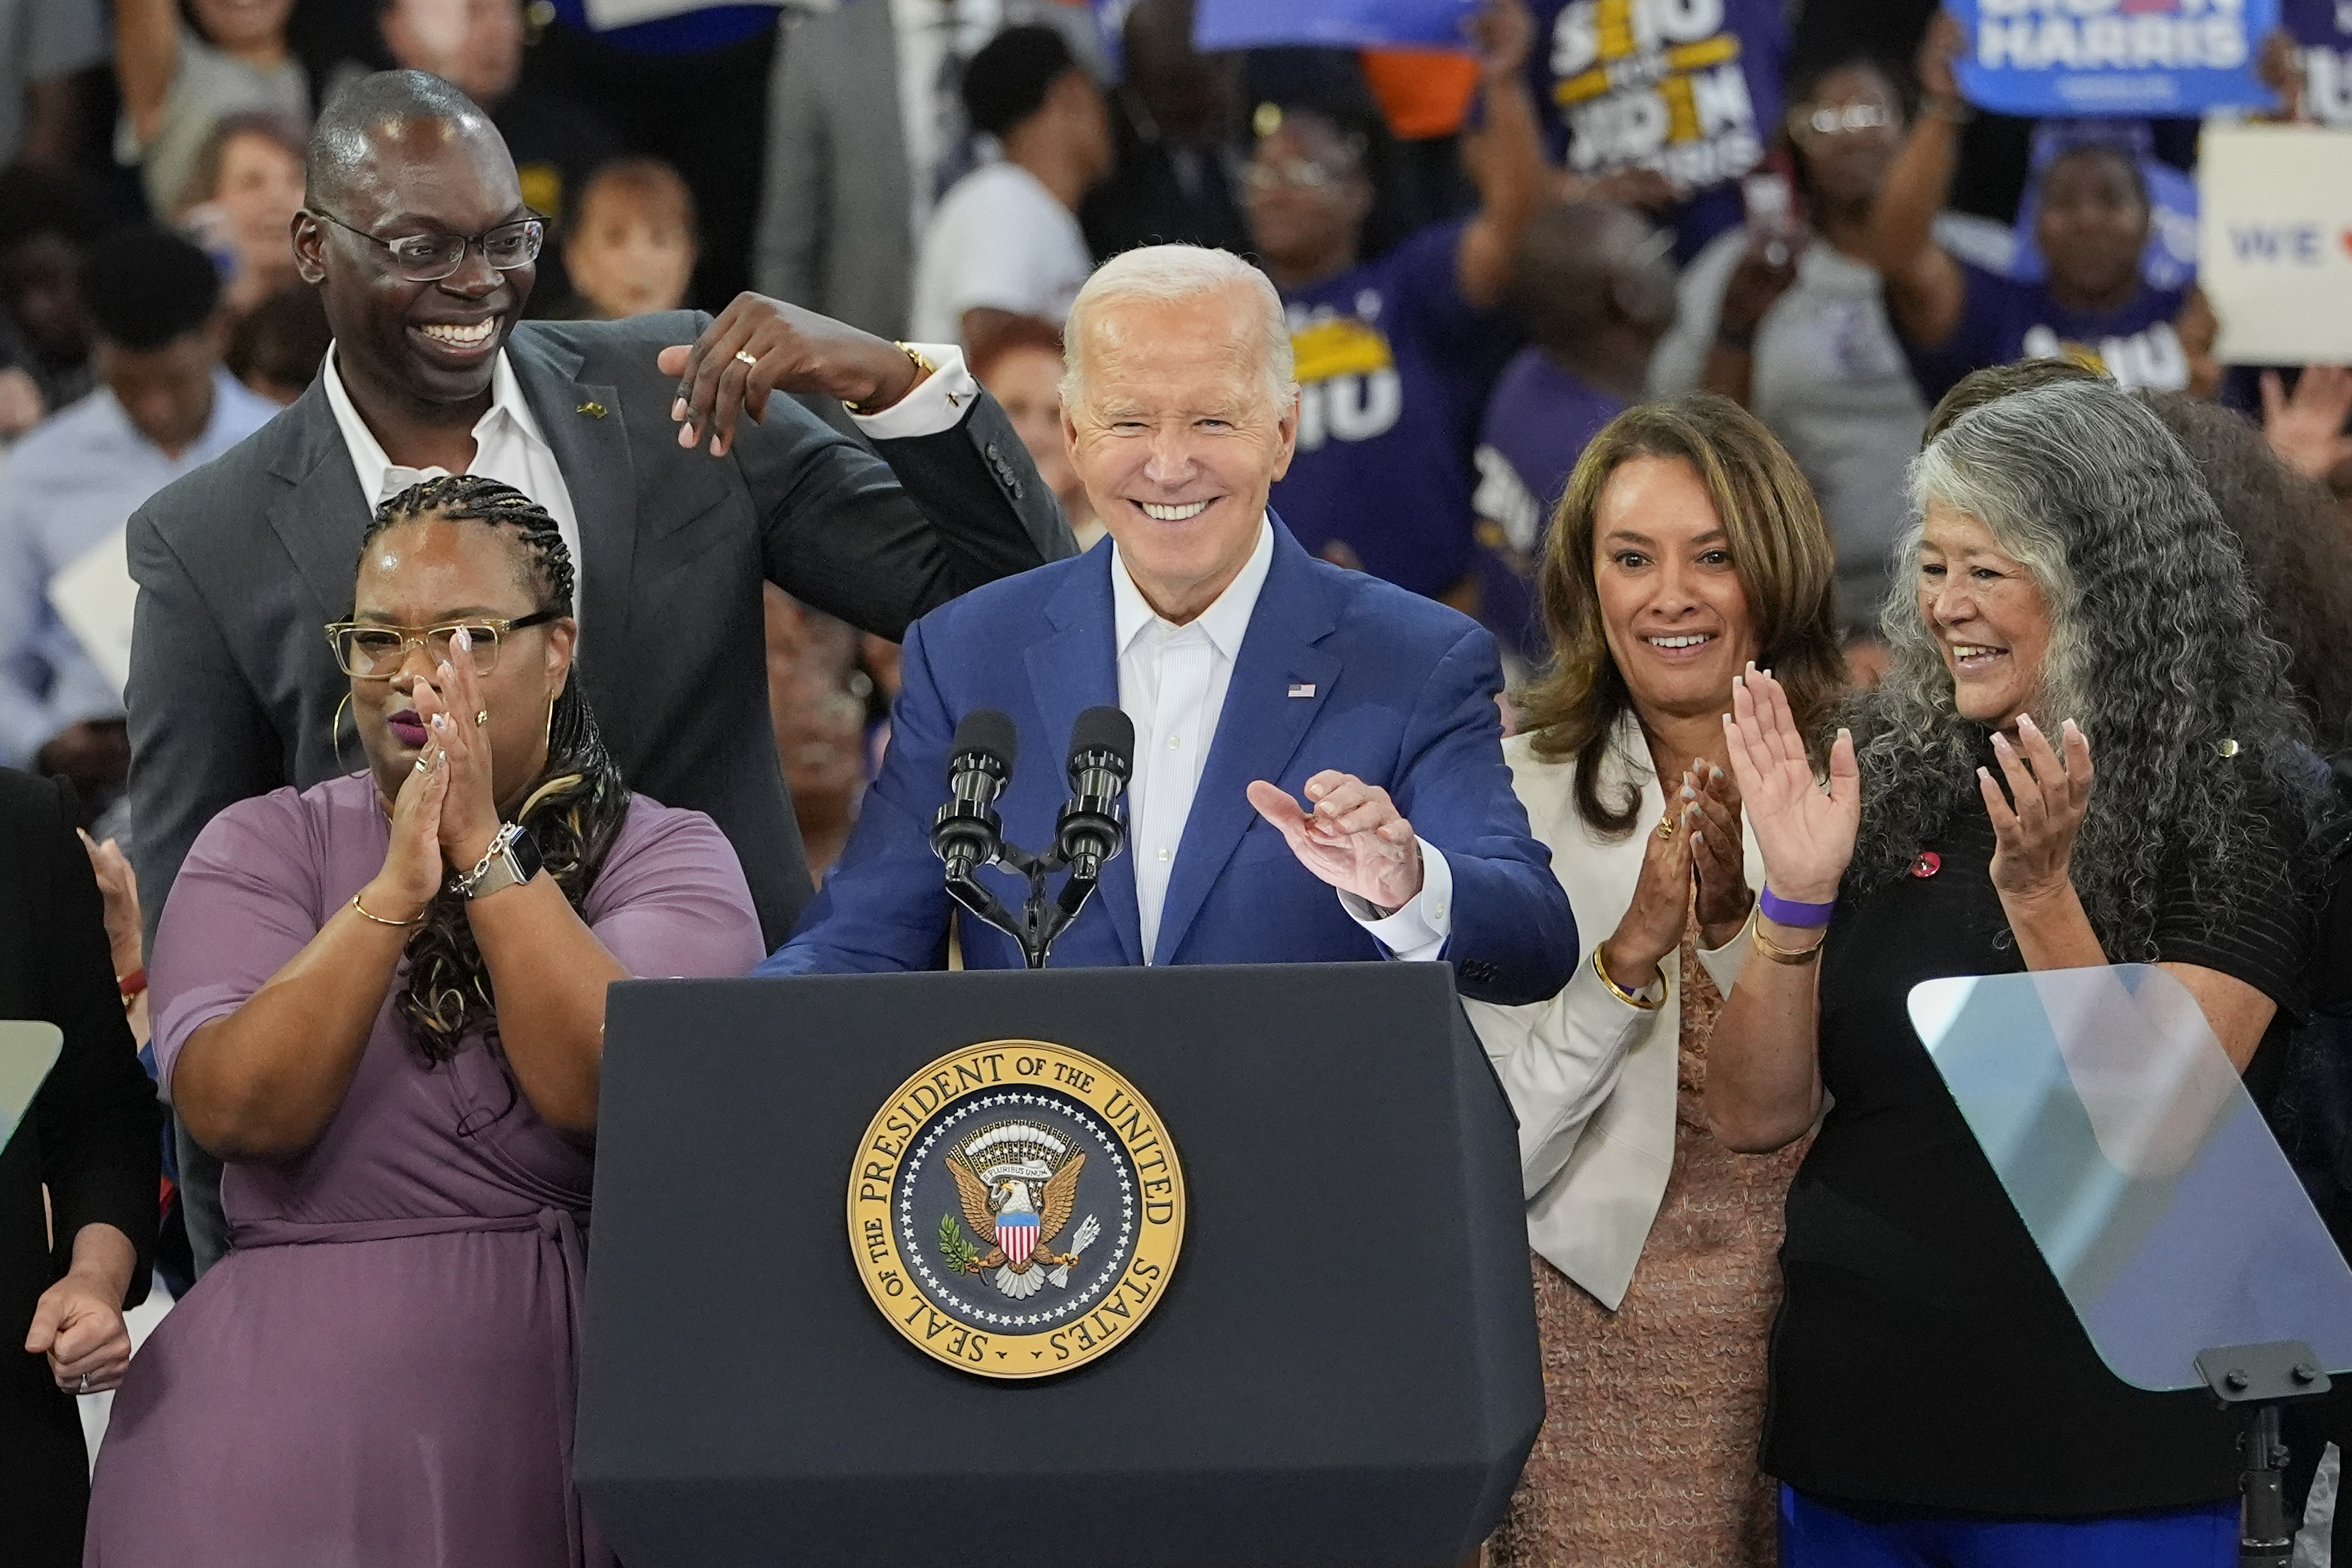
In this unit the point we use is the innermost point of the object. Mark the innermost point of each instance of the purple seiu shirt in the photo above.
(2003, 320)
(1538, 423)
(1393, 364)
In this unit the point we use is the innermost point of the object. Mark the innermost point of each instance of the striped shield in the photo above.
(1017, 1234)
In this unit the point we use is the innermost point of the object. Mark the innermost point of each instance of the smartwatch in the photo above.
(512, 859)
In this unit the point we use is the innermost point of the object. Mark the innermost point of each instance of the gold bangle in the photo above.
(1628, 997)
(380, 920)
(1775, 953)
(924, 370)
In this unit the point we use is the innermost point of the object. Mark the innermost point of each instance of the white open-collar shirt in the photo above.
(1172, 682)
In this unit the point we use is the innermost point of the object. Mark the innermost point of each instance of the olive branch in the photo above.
(959, 1254)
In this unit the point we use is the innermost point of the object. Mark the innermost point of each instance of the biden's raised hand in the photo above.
(1350, 834)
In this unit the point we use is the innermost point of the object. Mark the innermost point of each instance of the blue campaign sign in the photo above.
(2113, 57)
(1349, 24)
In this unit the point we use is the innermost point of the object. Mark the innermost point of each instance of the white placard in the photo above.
(2274, 254)
(95, 598)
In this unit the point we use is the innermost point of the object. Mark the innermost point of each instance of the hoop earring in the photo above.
(335, 734)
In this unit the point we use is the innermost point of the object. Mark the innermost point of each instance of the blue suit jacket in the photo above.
(1402, 696)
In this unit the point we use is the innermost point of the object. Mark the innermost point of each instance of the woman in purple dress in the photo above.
(380, 1000)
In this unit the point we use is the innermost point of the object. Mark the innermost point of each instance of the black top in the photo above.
(1925, 1356)
(89, 1137)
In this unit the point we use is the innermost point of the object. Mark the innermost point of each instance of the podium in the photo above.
(1340, 1372)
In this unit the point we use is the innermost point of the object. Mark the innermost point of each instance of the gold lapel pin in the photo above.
(593, 410)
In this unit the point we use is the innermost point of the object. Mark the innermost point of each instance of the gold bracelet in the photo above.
(924, 370)
(1628, 997)
(1778, 955)
(380, 920)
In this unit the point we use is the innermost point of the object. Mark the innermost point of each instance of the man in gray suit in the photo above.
(234, 691)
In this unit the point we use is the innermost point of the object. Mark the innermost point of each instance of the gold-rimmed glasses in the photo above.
(374, 651)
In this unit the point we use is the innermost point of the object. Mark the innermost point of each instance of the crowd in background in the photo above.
(1475, 284)
(1482, 269)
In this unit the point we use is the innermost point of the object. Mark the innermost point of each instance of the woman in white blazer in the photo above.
(1687, 544)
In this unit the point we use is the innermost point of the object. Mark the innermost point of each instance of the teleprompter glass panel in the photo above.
(2140, 1166)
(27, 1051)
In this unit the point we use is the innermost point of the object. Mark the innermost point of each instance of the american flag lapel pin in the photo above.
(1302, 689)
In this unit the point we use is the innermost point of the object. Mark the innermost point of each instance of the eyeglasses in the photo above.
(430, 257)
(1301, 175)
(1830, 120)
(373, 651)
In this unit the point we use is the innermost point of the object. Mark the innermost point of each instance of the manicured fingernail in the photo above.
(440, 721)
(1698, 837)
(1688, 793)
(2000, 741)
(463, 642)
(1715, 772)
(677, 408)
(2025, 722)
(2070, 728)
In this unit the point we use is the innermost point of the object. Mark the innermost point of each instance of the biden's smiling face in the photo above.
(1177, 438)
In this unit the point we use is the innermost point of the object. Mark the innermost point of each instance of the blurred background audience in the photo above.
(1488, 254)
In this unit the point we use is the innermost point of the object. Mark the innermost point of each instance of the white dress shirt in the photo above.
(509, 447)
(1172, 681)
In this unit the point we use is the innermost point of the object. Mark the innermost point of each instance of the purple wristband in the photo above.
(1789, 913)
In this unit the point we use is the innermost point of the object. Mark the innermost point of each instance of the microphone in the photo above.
(967, 832)
(1102, 755)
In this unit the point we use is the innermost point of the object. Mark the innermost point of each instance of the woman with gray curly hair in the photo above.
(2075, 584)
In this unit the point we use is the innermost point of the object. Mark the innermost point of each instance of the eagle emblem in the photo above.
(1017, 1183)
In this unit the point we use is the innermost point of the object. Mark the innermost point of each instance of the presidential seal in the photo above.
(1015, 1209)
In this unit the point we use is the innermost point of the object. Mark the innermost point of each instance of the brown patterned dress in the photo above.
(1647, 1454)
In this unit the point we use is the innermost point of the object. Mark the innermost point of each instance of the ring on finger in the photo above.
(424, 763)
(746, 358)
(84, 1387)
(1667, 825)
(483, 717)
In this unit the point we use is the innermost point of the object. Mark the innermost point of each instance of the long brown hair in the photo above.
(1779, 546)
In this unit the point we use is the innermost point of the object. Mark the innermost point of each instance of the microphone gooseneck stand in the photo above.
(968, 833)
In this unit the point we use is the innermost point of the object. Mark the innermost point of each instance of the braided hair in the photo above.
(574, 809)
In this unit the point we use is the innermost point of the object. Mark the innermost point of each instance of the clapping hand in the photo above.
(1807, 834)
(456, 717)
(2034, 826)
(1352, 836)
(1710, 800)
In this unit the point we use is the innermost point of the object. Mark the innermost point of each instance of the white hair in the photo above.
(1172, 274)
